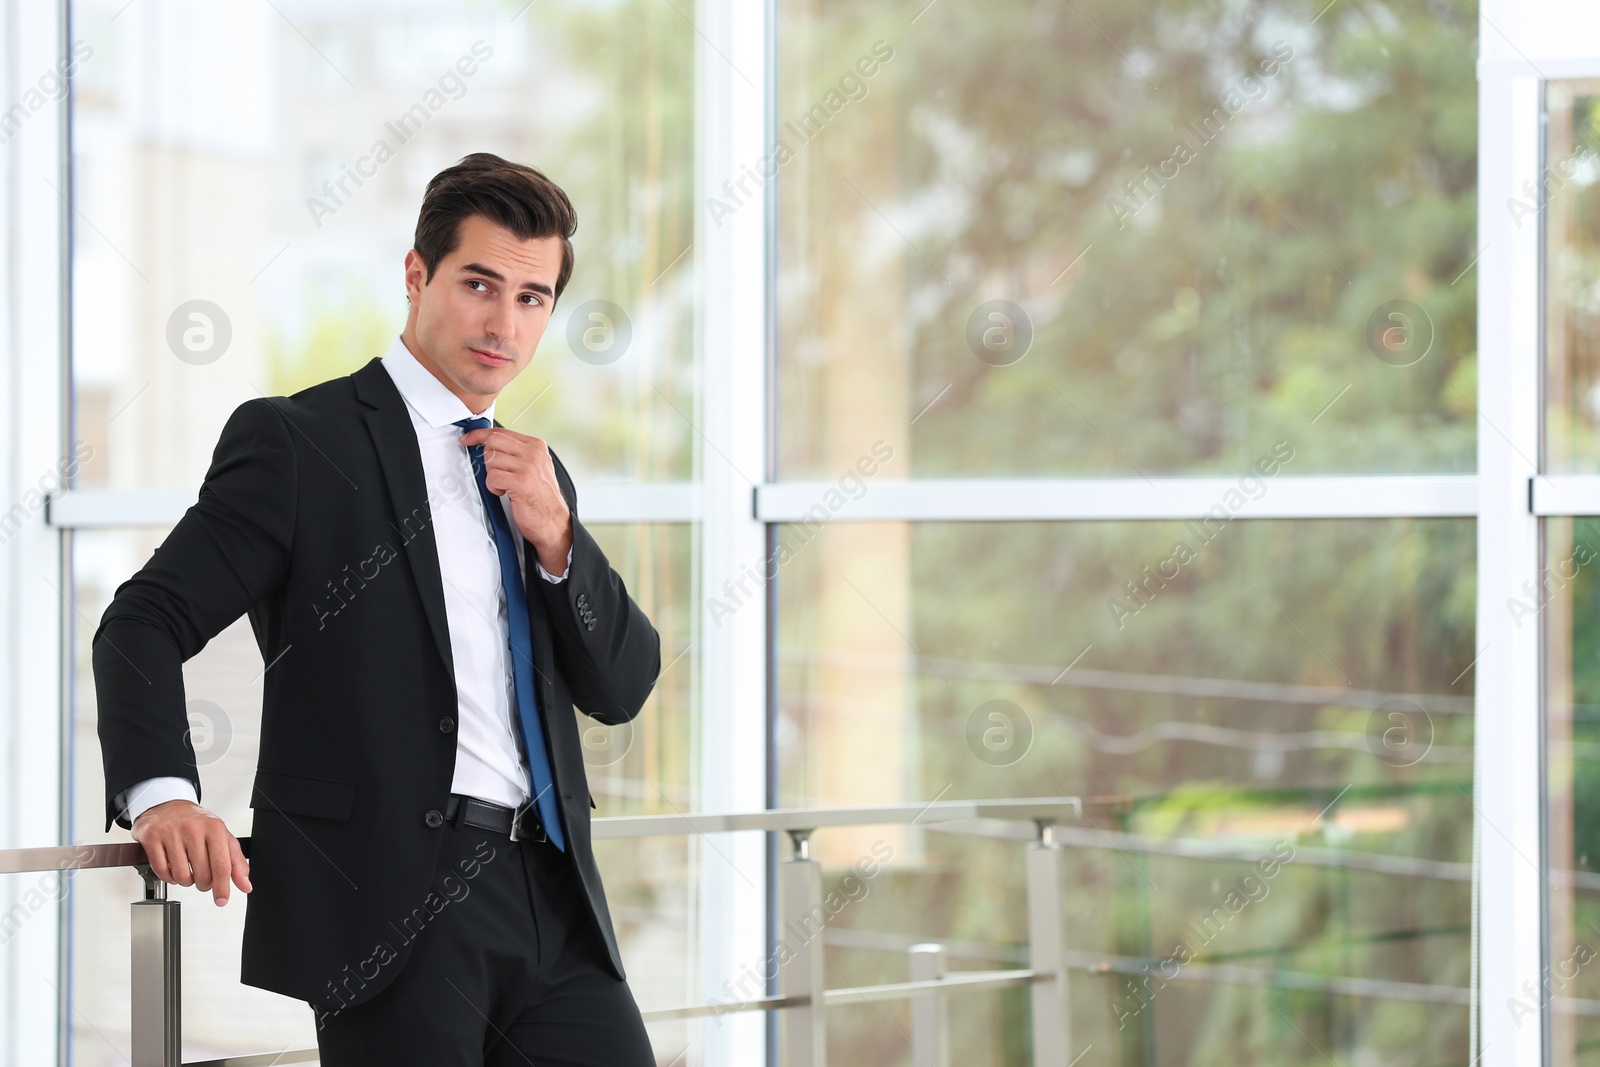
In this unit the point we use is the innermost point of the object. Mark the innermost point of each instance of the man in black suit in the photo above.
(430, 610)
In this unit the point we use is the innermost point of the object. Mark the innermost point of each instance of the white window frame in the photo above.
(35, 800)
(733, 425)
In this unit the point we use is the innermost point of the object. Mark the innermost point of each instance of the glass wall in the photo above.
(1566, 599)
(650, 885)
(246, 182)
(247, 187)
(1568, 202)
(1289, 715)
(1140, 240)
(1570, 610)
(1082, 240)
(1113, 238)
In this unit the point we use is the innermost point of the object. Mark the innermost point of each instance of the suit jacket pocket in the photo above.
(301, 794)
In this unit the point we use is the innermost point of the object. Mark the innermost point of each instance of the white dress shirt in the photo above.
(490, 762)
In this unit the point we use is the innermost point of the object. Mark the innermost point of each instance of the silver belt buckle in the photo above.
(516, 816)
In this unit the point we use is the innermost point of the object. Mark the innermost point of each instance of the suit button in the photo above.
(447, 725)
(583, 601)
(590, 624)
(434, 819)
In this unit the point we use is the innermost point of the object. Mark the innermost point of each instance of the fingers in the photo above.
(219, 863)
(156, 853)
(526, 487)
(197, 850)
(507, 474)
(532, 463)
(498, 439)
(197, 836)
(241, 866)
(175, 860)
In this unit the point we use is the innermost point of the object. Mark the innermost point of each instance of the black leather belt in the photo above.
(520, 823)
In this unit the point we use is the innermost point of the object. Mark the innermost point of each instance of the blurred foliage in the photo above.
(627, 161)
(1250, 700)
(338, 340)
(618, 136)
(1246, 703)
(1208, 317)
(1572, 279)
(1573, 781)
(1585, 609)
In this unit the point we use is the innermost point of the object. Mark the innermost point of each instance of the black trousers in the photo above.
(506, 970)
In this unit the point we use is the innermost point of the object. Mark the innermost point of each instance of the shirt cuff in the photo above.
(546, 574)
(152, 791)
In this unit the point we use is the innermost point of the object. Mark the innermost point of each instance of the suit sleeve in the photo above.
(228, 551)
(609, 652)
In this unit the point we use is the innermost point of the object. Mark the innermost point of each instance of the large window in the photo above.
(1101, 380)
(630, 770)
(247, 190)
(1295, 694)
(245, 181)
(1140, 241)
(1111, 238)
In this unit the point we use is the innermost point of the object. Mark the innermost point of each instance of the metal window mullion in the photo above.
(90, 509)
(729, 639)
(1507, 796)
(34, 650)
(961, 500)
(1279, 496)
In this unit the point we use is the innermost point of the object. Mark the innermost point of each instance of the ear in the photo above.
(415, 271)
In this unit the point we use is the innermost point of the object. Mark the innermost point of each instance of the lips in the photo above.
(489, 359)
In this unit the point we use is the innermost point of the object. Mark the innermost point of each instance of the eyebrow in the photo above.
(495, 276)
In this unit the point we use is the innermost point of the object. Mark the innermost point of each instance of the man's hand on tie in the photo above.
(519, 466)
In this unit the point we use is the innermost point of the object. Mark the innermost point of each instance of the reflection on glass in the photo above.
(1285, 706)
(1112, 238)
(1568, 202)
(223, 687)
(650, 885)
(1569, 606)
(246, 192)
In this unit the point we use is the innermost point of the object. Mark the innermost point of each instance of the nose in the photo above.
(497, 326)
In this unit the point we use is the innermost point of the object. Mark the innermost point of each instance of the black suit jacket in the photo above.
(314, 519)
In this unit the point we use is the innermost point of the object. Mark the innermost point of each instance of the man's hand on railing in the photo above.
(188, 845)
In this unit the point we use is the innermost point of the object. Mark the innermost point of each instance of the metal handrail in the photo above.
(999, 819)
(71, 857)
(1047, 810)
(155, 928)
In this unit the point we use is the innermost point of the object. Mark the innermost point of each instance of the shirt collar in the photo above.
(425, 394)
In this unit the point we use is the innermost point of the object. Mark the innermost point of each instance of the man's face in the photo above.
(477, 323)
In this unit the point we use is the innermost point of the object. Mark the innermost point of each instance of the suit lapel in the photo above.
(395, 440)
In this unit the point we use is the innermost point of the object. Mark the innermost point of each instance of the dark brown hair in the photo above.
(509, 194)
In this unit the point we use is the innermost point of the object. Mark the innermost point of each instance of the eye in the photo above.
(477, 281)
(535, 297)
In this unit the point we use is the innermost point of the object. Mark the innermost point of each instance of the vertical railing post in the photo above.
(930, 1012)
(1047, 946)
(157, 992)
(800, 972)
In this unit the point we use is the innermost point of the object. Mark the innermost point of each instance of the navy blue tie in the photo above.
(522, 668)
